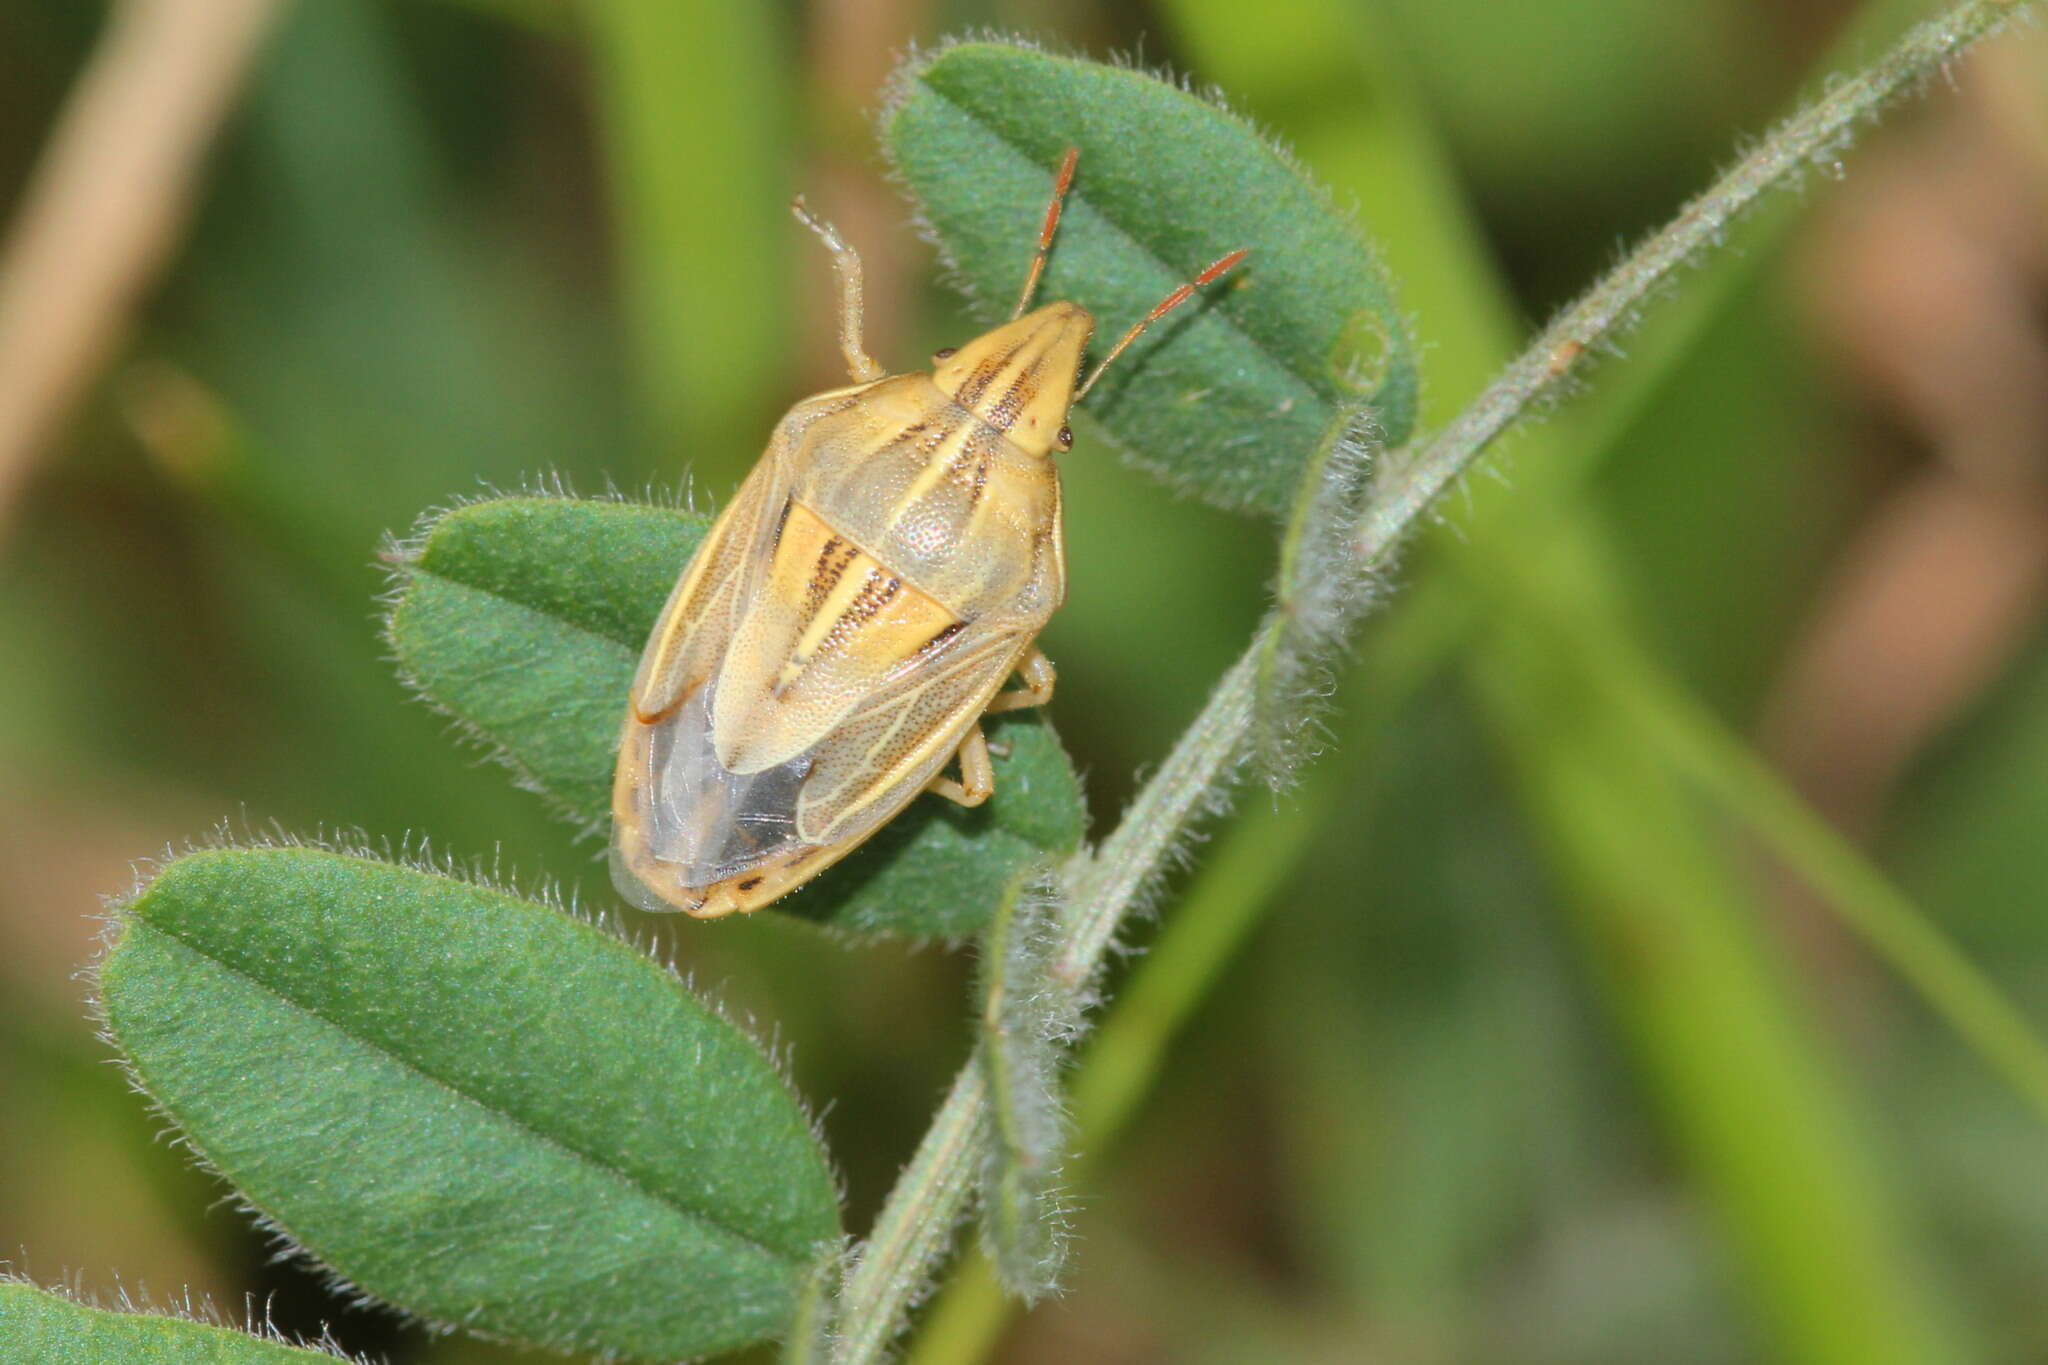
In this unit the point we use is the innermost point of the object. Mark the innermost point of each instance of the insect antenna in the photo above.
(1052, 220)
(1165, 306)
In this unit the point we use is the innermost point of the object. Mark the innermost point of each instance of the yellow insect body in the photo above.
(847, 622)
(853, 614)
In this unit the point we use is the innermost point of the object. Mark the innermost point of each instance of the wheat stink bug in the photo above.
(856, 609)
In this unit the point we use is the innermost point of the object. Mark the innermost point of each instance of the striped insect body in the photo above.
(856, 610)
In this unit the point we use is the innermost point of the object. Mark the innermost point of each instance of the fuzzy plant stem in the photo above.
(915, 1228)
(894, 1268)
(914, 1231)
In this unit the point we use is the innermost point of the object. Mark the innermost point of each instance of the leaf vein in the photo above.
(1078, 198)
(518, 1122)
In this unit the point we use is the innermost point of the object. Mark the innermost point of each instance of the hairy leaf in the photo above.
(1026, 1024)
(1319, 589)
(41, 1328)
(469, 1105)
(1231, 396)
(525, 618)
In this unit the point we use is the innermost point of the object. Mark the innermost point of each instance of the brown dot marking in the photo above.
(1041, 548)
(750, 883)
(833, 560)
(877, 592)
(968, 464)
(938, 641)
(1021, 391)
(984, 374)
(981, 467)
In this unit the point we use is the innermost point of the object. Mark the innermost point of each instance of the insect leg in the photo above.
(862, 366)
(977, 775)
(1039, 677)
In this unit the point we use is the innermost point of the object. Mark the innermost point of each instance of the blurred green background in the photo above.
(1507, 1038)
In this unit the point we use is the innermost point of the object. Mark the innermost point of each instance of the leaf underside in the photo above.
(469, 1105)
(41, 1328)
(1230, 396)
(525, 618)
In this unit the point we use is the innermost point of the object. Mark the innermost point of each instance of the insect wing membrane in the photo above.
(835, 691)
(677, 815)
(705, 820)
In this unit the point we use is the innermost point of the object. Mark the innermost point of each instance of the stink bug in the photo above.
(854, 611)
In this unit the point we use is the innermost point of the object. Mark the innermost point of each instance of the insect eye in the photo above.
(943, 352)
(1065, 438)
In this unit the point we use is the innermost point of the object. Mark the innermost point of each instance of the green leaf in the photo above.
(524, 617)
(48, 1329)
(1229, 398)
(469, 1105)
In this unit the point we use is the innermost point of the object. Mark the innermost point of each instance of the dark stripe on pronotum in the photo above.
(984, 374)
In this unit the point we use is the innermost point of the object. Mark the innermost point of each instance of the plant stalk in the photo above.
(914, 1231)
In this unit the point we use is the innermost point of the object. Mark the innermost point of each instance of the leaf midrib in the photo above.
(421, 570)
(1273, 358)
(518, 1122)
